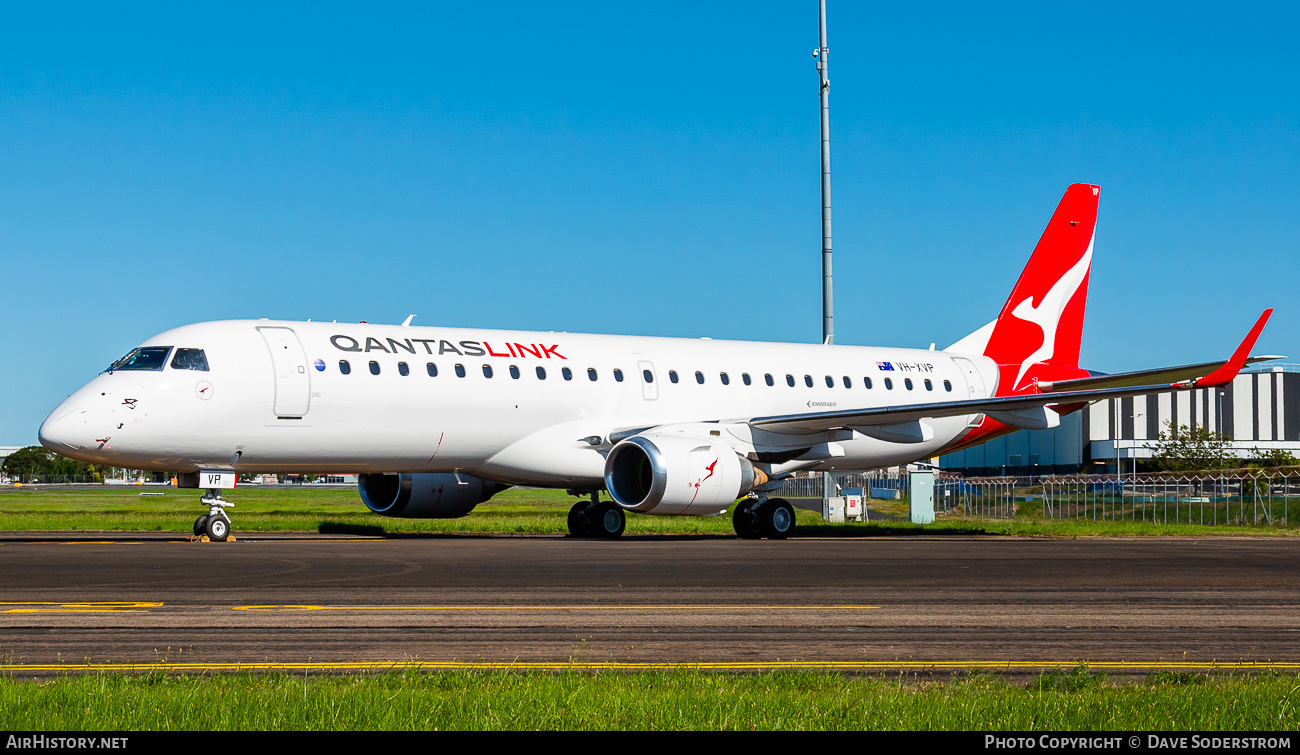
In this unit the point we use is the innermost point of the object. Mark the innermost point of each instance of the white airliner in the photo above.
(437, 420)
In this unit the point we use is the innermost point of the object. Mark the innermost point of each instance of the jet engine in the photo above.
(659, 473)
(425, 495)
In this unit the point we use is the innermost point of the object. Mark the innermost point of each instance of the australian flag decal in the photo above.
(885, 366)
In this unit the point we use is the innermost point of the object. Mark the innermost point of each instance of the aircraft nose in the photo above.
(62, 430)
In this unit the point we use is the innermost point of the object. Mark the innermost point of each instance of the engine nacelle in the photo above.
(425, 495)
(665, 474)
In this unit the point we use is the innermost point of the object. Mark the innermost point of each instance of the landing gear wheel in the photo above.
(217, 528)
(745, 522)
(580, 524)
(607, 520)
(776, 519)
(201, 526)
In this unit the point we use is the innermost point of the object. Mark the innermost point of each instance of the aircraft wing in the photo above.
(1031, 410)
(1144, 377)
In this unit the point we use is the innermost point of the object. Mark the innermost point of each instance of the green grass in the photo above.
(677, 700)
(515, 511)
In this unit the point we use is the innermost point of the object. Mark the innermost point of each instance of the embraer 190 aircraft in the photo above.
(437, 420)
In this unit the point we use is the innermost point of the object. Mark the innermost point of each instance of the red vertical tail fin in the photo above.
(1037, 334)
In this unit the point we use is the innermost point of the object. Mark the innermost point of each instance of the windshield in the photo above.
(145, 358)
(190, 359)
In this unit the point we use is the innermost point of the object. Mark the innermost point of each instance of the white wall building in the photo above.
(1259, 409)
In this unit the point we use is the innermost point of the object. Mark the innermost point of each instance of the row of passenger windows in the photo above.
(403, 369)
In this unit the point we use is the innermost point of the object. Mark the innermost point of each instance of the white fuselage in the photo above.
(274, 398)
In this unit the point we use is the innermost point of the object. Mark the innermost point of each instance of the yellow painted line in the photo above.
(292, 607)
(666, 666)
(78, 607)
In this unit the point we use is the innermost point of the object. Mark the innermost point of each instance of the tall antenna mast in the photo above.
(823, 74)
(821, 55)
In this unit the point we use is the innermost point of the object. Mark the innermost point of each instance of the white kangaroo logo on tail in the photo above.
(1047, 315)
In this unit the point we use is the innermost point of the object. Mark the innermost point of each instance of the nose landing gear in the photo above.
(215, 525)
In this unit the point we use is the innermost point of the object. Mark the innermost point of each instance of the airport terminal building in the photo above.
(1259, 409)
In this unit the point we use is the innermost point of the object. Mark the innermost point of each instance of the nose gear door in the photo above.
(292, 378)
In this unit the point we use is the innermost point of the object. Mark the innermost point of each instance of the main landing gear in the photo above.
(214, 525)
(772, 518)
(597, 518)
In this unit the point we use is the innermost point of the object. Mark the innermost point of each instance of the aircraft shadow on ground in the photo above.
(804, 530)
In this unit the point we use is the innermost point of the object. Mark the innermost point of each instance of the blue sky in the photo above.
(635, 168)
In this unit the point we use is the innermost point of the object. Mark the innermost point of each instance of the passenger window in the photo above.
(907, 383)
(402, 369)
(699, 377)
(767, 378)
(487, 370)
(432, 369)
(848, 383)
(591, 374)
(947, 386)
(672, 376)
(344, 367)
(807, 379)
(618, 376)
(567, 373)
(541, 373)
(889, 384)
(460, 370)
(866, 383)
(190, 359)
(723, 377)
(147, 358)
(830, 382)
(374, 367)
(514, 372)
(744, 378)
(928, 385)
(648, 376)
(789, 380)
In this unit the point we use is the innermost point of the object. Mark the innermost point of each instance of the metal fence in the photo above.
(1244, 497)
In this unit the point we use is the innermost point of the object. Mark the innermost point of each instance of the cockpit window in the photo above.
(146, 358)
(190, 359)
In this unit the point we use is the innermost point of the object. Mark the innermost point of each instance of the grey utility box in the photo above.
(833, 509)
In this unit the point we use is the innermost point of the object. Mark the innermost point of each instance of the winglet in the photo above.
(1229, 369)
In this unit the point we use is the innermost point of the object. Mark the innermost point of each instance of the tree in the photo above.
(1188, 449)
(1274, 457)
(28, 462)
(35, 462)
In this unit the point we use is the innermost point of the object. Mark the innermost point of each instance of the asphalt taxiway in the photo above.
(71, 602)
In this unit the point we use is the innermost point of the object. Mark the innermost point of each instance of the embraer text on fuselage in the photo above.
(437, 346)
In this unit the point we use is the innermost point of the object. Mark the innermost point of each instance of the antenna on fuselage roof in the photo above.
(407, 322)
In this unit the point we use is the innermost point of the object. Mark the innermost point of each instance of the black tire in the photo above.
(201, 526)
(776, 519)
(607, 520)
(580, 519)
(218, 528)
(745, 522)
